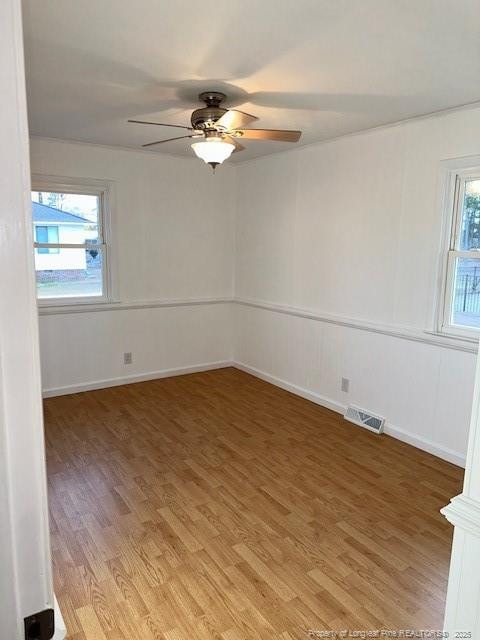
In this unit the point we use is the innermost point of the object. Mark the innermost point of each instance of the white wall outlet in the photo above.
(127, 358)
(345, 384)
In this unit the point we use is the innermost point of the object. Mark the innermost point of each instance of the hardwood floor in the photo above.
(215, 505)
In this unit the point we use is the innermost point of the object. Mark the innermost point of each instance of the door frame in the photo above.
(26, 576)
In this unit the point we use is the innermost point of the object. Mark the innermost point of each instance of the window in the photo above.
(70, 248)
(46, 234)
(461, 308)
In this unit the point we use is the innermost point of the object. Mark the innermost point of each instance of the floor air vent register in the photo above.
(364, 419)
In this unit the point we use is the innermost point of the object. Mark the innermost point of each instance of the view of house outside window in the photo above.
(69, 250)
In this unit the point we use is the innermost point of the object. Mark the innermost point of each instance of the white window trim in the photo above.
(104, 189)
(452, 171)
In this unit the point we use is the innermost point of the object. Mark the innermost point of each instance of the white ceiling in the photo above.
(327, 67)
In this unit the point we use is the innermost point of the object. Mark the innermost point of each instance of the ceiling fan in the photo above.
(218, 130)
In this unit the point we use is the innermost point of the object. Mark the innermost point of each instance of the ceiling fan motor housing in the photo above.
(206, 117)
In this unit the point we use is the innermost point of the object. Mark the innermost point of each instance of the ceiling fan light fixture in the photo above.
(213, 150)
(219, 129)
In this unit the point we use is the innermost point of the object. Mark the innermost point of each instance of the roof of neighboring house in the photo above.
(44, 213)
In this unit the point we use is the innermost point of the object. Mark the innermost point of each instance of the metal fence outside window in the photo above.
(467, 293)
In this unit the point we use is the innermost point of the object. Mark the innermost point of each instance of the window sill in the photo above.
(75, 306)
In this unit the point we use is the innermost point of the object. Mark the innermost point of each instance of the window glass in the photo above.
(466, 293)
(79, 209)
(45, 234)
(72, 273)
(75, 267)
(470, 223)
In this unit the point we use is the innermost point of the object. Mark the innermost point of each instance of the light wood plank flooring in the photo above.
(216, 506)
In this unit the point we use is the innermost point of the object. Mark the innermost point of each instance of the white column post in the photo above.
(462, 612)
(25, 564)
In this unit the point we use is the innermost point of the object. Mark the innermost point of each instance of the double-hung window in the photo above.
(71, 249)
(461, 295)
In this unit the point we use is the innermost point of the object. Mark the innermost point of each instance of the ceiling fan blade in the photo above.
(234, 119)
(161, 124)
(149, 144)
(267, 134)
(238, 146)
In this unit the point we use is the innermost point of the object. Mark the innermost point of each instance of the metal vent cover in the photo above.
(364, 419)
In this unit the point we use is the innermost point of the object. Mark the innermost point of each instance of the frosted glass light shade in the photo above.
(213, 150)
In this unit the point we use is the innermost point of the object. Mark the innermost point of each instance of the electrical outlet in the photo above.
(127, 358)
(345, 384)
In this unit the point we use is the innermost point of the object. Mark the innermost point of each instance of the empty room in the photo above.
(239, 321)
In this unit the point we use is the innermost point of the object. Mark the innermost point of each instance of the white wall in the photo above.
(173, 224)
(85, 350)
(348, 232)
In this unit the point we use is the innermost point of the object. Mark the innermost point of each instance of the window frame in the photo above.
(104, 191)
(457, 174)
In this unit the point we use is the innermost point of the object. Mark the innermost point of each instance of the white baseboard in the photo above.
(60, 628)
(445, 453)
(400, 434)
(139, 377)
(288, 386)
